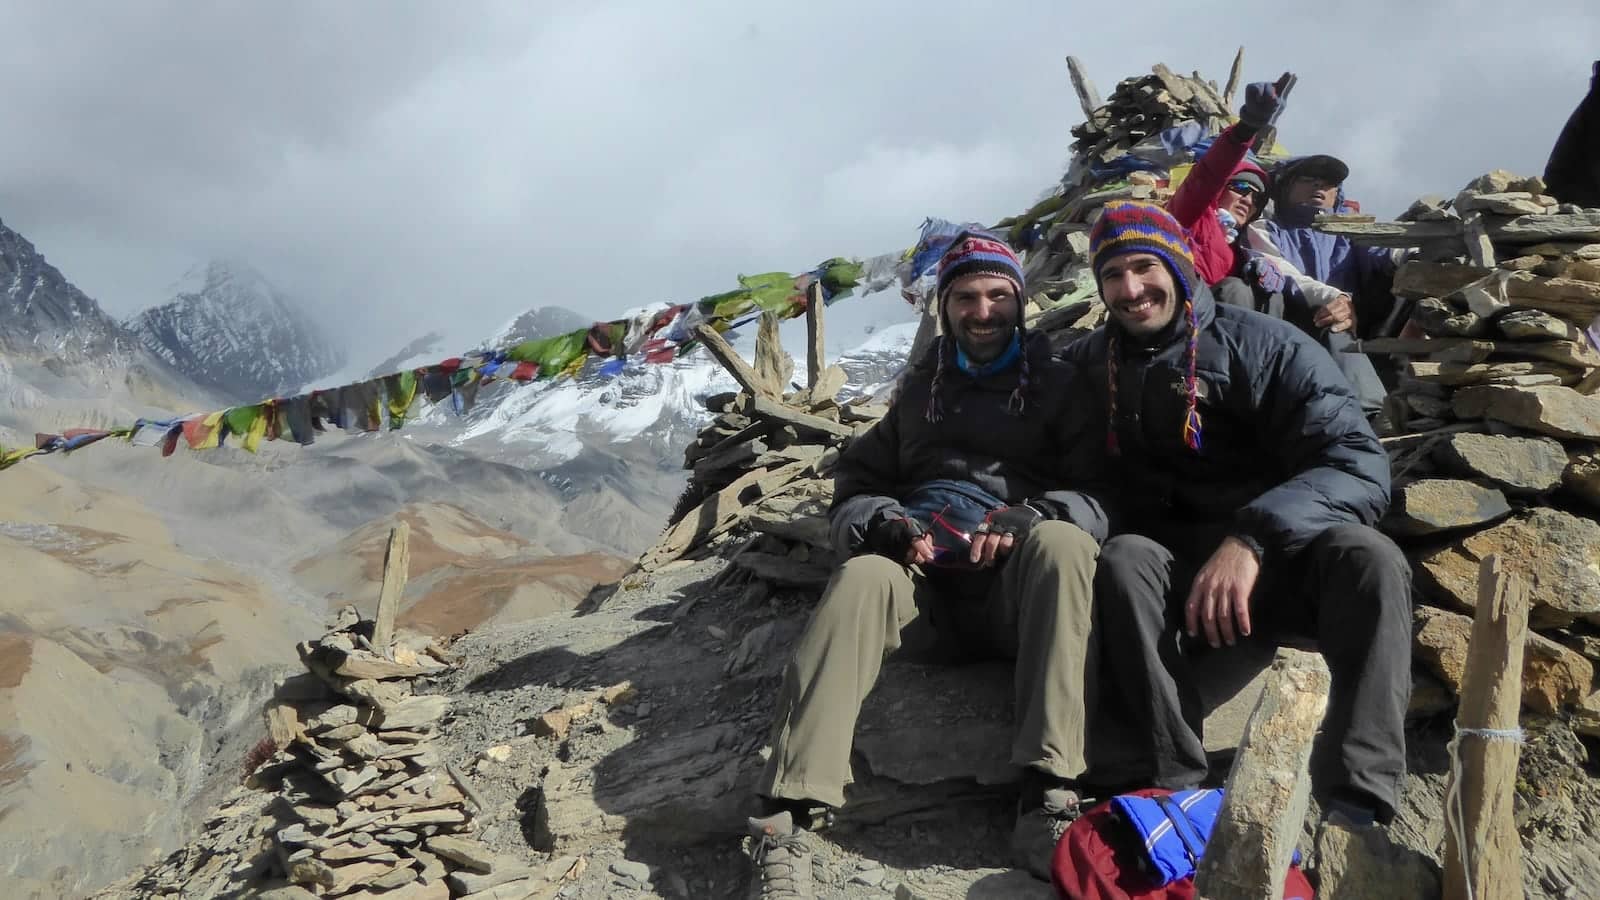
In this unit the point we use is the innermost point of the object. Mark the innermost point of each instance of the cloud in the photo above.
(412, 166)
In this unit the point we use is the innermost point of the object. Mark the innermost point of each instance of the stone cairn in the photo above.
(353, 798)
(761, 482)
(1495, 421)
(1054, 235)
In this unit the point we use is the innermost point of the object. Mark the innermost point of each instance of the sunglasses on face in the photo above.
(1244, 188)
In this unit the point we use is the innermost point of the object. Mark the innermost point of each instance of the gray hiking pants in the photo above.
(1349, 591)
(1035, 610)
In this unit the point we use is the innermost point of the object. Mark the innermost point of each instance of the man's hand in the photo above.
(1219, 600)
(920, 553)
(897, 537)
(1338, 315)
(1002, 529)
(988, 548)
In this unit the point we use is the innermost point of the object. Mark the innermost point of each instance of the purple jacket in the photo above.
(1330, 259)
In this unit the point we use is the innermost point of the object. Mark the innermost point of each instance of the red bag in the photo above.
(1099, 858)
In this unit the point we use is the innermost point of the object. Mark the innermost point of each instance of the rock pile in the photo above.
(762, 476)
(1140, 108)
(355, 799)
(1132, 147)
(1497, 414)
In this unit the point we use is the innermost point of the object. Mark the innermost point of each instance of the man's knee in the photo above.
(1061, 548)
(1129, 559)
(1061, 542)
(1130, 579)
(1359, 555)
(1362, 547)
(858, 583)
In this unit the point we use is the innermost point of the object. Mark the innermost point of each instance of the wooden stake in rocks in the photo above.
(396, 565)
(718, 347)
(1482, 851)
(1234, 75)
(816, 361)
(1088, 97)
(773, 365)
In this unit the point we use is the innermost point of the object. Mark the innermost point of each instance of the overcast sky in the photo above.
(413, 166)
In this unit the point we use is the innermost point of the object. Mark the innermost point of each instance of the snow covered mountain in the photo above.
(875, 363)
(538, 322)
(429, 348)
(228, 328)
(650, 412)
(42, 313)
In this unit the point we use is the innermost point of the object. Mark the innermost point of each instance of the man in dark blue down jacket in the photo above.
(964, 538)
(1251, 482)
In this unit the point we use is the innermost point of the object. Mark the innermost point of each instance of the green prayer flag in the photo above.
(552, 353)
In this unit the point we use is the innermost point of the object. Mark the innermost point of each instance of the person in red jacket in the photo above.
(1226, 189)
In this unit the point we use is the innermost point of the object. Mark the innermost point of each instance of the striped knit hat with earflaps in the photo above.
(1134, 227)
(976, 253)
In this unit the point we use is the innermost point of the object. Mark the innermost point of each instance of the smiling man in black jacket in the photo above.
(1251, 482)
(963, 538)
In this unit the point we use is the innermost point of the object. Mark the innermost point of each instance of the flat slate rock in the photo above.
(1559, 412)
(1557, 553)
(1516, 465)
(1432, 505)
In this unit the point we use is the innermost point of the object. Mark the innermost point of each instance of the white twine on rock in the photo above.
(1453, 812)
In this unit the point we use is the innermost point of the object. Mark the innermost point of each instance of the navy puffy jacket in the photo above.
(1286, 451)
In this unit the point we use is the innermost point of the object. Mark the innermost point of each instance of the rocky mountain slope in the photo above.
(228, 328)
(155, 602)
(43, 314)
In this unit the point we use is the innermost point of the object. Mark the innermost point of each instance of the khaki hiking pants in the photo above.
(1036, 611)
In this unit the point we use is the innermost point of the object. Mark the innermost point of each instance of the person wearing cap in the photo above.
(1573, 172)
(1252, 483)
(998, 565)
(1302, 189)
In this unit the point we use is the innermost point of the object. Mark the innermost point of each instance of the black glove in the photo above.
(1016, 521)
(891, 536)
(1263, 101)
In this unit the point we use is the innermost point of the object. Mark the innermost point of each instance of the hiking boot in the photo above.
(782, 857)
(1039, 829)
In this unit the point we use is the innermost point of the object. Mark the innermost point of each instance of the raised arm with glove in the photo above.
(1196, 202)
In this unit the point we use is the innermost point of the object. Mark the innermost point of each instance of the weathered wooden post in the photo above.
(396, 565)
(927, 332)
(1088, 97)
(774, 367)
(1234, 75)
(1269, 786)
(1482, 851)
(719, 347)
(816, 361)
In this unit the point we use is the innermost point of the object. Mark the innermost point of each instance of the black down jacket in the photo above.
(1046, 456)
(1286, 451)
(1573, 173)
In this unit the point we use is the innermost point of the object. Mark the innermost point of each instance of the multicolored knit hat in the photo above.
(1133, 227)
(1129, 226)
(975, 252)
